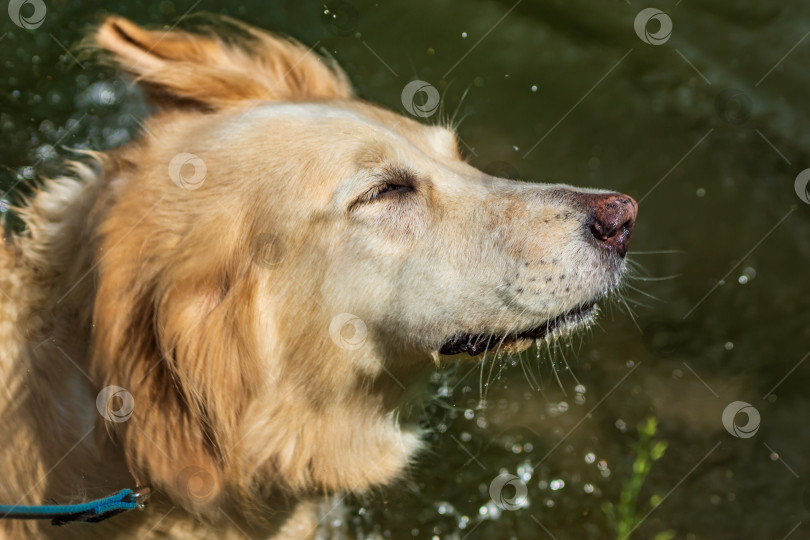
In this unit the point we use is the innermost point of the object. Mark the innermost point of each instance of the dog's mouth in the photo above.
(475, 344)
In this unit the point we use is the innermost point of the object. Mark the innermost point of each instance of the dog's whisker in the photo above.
(632, 315)
(648, 295)
(555, 370)
(526, 372)
(567, 366)
(453, 123)
(656, 252)
(663, 278)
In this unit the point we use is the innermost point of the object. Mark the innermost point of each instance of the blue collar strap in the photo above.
(89, 512)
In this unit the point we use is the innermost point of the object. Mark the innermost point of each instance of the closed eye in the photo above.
(388, 189)
(394, 183)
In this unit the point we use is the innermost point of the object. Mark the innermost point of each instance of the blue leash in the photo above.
(89, 512)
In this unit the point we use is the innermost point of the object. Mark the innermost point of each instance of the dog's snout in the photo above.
(611, 219)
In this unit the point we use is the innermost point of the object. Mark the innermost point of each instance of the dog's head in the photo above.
(278, 259)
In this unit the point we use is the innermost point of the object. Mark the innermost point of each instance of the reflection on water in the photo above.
(707, 129)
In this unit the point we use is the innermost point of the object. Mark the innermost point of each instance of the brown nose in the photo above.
(612, 217)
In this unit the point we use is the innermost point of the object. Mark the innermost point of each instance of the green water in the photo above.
(707, 130)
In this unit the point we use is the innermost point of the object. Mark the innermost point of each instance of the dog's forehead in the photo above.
(359, 120)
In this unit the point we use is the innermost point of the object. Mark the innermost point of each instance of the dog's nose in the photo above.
(612, 217)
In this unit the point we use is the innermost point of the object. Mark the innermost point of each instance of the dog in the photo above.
(233, 308)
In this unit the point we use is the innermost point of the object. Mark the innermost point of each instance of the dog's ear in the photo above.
(179, 68)
(176, 330)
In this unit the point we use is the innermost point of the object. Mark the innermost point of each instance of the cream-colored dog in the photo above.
(233, 308)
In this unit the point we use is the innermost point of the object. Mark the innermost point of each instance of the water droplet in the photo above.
(700, 192)
(747, 275)
(494, 512)
(587, 488)
(464, 35)
(728, 346)
(557, 484)
(444, 508)
(524, 471)
(534, 88)
(590, 457)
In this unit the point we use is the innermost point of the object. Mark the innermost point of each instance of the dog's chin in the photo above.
(581, 317)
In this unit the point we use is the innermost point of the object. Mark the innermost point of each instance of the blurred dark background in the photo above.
(706, 127)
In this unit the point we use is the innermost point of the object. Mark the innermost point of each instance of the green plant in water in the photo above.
(625, 516)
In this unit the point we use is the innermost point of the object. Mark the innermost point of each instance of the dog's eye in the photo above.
(392, 184)
(388, 189)
(395, 182)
